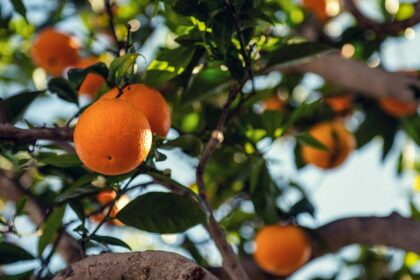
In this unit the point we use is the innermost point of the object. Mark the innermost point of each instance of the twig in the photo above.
(240, 36)
(3, 118)
(230, 260)
(11, 133)
(108, 9)
(386, 29)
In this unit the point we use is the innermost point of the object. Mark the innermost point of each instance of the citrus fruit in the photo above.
(338, 141)
(397, 108)
(150, 102)
(54, 51)
(93, 82)
(281, 249)
(112, 137)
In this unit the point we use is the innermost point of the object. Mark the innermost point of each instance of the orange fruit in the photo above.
(338, 141)
(112, 137)
(93, 82)
(318, 7)
(120, 204)
(341, 105)
(274, 103)
(150, 102)
(397, 108)
(106, 197)
(281, 249)
(54, 51)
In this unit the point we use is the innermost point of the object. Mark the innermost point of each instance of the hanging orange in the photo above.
(112, 137)
(150, 102)
(397, 108)
(281, 249)
(338, 141)
(93, 82)
(54, 51)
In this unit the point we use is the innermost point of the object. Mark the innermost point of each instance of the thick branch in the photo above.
(13, 190)
(138, 265)
(386, 29)
(356, 76)
(11, 133)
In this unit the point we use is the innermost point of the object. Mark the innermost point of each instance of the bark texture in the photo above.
(135, 266)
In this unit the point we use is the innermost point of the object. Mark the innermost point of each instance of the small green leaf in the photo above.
(10, 253)
(308, 140)
(302, 206)
(65, 160)
(63, 89)
(17, 104)
(294, 53)
(19, 7)
(263, 192)
(20, 276)
(108, 240)
(119, 68)
(162, 213)
(78, 75)
(49, 231)
(20, 206)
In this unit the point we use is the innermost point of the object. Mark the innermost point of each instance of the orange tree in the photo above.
(211, 86)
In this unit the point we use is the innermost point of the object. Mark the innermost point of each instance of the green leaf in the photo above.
(19, 7)
(10, 253)
(17, 104)
(162, 213)
(302, 206)
(303, 111)
(188, 143)
(78, 75)
(412, 128)
(63, 89)
(21, 276)
(20, 206)
(65, 160)
(295, 53)
(119, 68)
(263, 192)
(168, 64)
(108, 240)
(308, 140)
(50, 228)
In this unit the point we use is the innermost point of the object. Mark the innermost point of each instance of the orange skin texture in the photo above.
(341, 105)
(397, 108)
(150, 102)
(93, 82)
(338, 140)
(318, 7)
(281, 249)
(54, 51)
(112, 137)
(274, 103)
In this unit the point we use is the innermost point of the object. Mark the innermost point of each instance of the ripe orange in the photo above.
(318, 7)
(274, 103)
(336, 138)
(112, 137)
(397, 108)
(93, 82)
(341, 105)
(54, 51)
(150, 102)
(106, 197)
(120, 204)
(281, 249)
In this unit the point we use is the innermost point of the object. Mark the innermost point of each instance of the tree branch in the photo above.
(356, 76)
(12, 133)
(387, 29)
(139, 265)
(13, 190)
